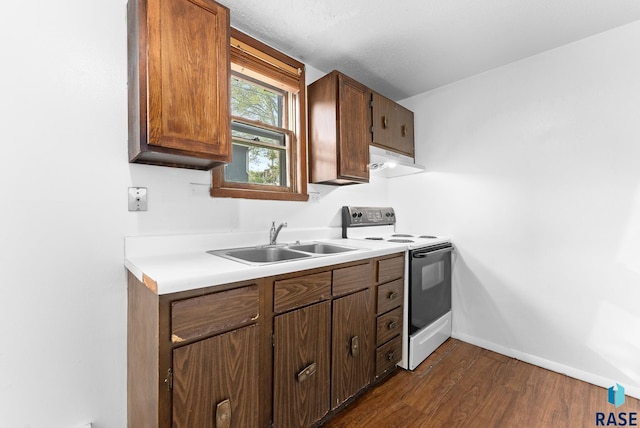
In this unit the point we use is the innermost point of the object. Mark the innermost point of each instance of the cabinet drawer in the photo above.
(351, 278)
(203, 315)
(388, 355)
(390, 269)
(389, 325)
(390, 295)
(304, 290)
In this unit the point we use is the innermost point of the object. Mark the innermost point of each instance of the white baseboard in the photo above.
(591, 378)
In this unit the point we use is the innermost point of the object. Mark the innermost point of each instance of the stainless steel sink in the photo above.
(261, 254)
(321, 248)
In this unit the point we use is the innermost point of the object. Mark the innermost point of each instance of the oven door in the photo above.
(429, 286)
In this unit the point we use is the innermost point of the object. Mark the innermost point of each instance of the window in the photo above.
(267, 125)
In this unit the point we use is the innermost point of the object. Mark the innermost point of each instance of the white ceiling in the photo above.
(404, 48)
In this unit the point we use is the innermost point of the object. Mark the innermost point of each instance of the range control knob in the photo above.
(354, 215)
(360, 214)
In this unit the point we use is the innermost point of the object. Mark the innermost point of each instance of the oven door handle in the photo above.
(422, 254)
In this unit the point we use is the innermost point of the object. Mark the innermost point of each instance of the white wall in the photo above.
(64, 175)
(534, 171)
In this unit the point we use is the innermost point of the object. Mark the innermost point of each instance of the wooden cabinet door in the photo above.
(404, 140)
(216, 379)
(339, 119)
(353, 346)
(301, 366)
(353, 119)
(179, 83)
(392, 125)
(383, 112)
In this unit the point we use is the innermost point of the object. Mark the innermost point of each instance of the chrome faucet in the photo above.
(273, 233)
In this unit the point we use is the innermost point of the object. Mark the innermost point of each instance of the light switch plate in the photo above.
(137, 198)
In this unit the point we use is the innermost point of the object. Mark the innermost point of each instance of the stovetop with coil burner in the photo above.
(378, 224)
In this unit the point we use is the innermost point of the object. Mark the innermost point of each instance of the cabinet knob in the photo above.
(223, 414)
(307, 372)
(391, 355)
(355, 346)
(392, 295)
(392, 325)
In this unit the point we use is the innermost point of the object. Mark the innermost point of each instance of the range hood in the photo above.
(386, 163)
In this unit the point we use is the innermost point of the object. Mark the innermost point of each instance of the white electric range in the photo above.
(427, 293)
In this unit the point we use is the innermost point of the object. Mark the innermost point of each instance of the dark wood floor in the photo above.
(461, 385)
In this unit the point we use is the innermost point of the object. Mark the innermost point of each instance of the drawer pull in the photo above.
(391, 355)
(404, 130)
(393, 295)
(385, 122)
(392, 325)
(355, 346)
(223, 414)
(307, 372)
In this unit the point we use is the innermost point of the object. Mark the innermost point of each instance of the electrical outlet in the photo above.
(137, 198)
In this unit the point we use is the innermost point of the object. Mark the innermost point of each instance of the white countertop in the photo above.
(180, 262)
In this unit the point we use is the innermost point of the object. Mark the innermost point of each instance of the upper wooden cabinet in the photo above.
(339, 120)
(179, 83)
(392, 125)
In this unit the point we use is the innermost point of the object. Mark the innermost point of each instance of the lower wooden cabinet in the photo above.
(217, 392)
(352, 348)
(194, 362)
(389, 310)
(301, 349)
(285, 351)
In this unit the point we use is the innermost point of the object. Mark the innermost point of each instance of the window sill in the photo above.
(225, 192)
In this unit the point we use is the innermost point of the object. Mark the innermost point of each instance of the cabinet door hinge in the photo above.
(273, 341)
(371, 103)
(169, 380)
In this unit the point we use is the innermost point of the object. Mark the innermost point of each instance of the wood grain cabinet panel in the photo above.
(390, 295)
(388, 355)
(339, 120)
(179, 83)
(352, 346)
(392, 125)
(213, 372)
(301, 356)
(389, 325)
(389, 269)
(215, 312)
(304, 290)
(352, 278)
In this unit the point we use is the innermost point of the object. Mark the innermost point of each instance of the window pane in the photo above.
(257, 165)
(254, 133)
(256, 102)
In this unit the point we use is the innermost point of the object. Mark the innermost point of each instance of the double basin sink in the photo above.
(268, 254)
